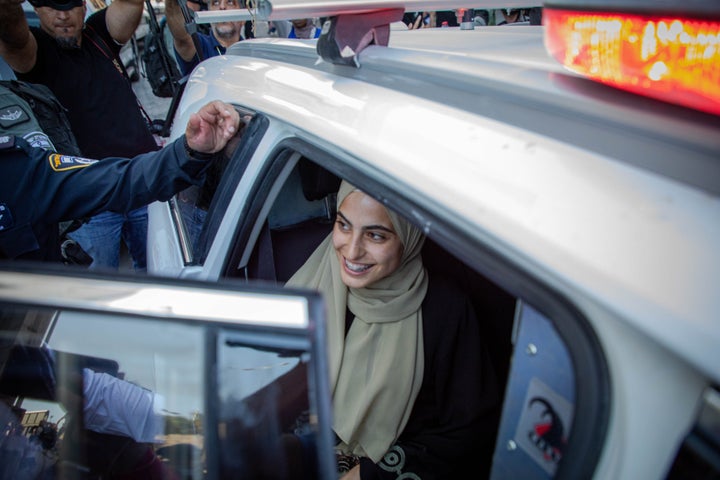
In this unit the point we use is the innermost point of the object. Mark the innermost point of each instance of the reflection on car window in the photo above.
(94, 394)
(263, 402)
(100, 396)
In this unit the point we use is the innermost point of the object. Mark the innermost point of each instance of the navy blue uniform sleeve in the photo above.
(453, 424)
(65, 191)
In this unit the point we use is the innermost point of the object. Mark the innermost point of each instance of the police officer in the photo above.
(39, 188)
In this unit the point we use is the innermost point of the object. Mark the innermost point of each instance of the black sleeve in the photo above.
(71, 190)
(454, 420)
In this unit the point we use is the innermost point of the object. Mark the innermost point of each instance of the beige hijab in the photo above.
(377, 369)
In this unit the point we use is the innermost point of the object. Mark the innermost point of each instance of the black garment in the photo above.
(409, 19)
(454, 420)
(38, 189)
(102, 107)
(446, 16)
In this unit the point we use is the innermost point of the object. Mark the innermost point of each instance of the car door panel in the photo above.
(142, 377)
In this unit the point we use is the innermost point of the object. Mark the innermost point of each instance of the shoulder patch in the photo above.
(40, 140)
(61, 163)
(13, 115)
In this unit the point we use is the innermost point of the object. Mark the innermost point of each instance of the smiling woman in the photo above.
(384, 309)
(365, 241)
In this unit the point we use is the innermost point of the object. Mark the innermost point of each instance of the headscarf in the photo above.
(377, 369)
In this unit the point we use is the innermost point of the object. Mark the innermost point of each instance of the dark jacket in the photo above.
(39, 188)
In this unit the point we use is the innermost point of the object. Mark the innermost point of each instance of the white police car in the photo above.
(568, 174)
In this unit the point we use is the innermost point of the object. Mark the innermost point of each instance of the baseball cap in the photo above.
(57, 4)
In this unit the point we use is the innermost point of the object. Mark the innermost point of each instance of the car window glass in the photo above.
(110, 396)
(195, 225)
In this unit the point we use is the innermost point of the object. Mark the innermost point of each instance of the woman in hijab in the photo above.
(410, 382)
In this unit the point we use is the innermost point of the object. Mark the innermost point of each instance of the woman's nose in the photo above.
(355, 248)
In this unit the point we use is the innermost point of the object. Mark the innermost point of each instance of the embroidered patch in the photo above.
(61, 163)
(6, 218)
(12, 115)
(39, 139)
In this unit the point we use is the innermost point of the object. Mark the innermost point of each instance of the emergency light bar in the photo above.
(671, 57)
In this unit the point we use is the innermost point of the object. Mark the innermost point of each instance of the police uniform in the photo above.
(39, 188)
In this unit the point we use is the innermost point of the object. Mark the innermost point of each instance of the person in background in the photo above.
(304, 28)
(505, 16)
(39, 188)
(432, 414)
(78, 60)
(193, 6)
(221, 36)
(446, 18)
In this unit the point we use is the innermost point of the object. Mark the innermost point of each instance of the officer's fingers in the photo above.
(213, 108)
(220, 114)
(193, 126)
(228, 117)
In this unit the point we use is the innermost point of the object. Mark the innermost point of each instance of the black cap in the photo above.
(57, 4)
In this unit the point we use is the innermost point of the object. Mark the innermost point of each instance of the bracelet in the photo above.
(194, 154)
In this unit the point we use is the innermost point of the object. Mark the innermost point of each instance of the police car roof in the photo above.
(611, 192)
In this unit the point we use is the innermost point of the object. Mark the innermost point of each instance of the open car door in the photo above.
(140, 377)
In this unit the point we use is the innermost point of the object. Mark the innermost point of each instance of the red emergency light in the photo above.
(666, 57)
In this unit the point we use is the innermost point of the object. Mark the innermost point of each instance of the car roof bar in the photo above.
(290, 9)
(352, 25)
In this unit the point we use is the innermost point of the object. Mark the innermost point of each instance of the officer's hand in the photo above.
(209, 130)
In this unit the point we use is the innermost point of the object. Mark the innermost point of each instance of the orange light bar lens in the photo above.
(672, 59)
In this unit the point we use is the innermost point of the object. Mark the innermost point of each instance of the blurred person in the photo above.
(446, 18)
(304, 28)
(40, 188)
(505, 16)
(78, 60)
(193, 6)
(221, 36)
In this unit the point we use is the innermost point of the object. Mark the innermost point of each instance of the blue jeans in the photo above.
(100, 238)
(194, 220)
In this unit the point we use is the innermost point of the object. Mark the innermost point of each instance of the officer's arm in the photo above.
(115, 184)
(122, 184)
(17, 45)
(122, 19)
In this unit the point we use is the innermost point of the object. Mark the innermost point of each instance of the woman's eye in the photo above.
(377, 237)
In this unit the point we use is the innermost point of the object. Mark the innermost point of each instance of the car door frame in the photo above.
(126, 296)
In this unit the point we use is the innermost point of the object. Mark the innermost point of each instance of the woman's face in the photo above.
(365, 241)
